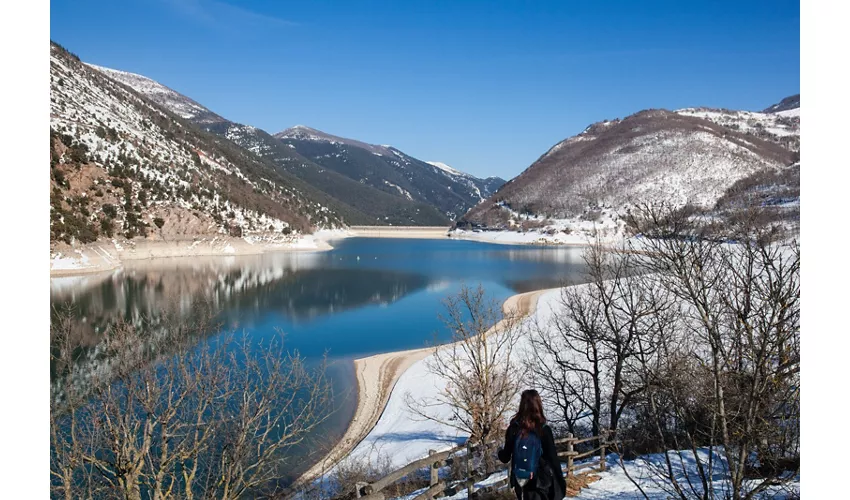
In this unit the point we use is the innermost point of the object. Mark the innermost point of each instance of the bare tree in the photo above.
(479, 366)
(168, 413)
(567, 359)
(740, 305)
(586, 356)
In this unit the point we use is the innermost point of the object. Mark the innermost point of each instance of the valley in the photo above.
(180, 228)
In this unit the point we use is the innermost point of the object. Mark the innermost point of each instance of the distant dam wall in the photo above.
(436, 232)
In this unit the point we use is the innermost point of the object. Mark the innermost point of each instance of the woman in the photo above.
(548, 481)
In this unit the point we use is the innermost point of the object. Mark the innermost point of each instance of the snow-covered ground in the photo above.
(400, 436)
(609, 228)
(750, 121)
(177, 103)
(618, 480)
(532, 237)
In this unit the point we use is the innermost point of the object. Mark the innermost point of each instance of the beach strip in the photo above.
(377, 376)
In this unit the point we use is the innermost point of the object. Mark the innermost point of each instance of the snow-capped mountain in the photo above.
(123, 166)
(390, 170)
(482, 187)
(689, 156)
(305, 133)
(375, 200)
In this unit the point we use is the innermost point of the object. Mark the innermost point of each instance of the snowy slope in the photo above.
(782, 127)
(749, 121)
(447, 169)
(690, 156)
(779, 123)
(118, 162)
(177, 103)
(481, 187)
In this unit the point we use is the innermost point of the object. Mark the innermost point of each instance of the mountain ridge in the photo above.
(361, 199)
(690, 156)
(786, 104)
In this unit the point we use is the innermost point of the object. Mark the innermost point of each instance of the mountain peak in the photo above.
(305, 133)
(787, 104)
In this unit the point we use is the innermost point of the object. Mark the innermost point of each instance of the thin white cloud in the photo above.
(225, 16)
(248, 16)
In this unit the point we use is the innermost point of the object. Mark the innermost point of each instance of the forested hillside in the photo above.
(720, 160)
(121, 166)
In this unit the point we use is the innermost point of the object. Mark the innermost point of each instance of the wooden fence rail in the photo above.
(436, 460)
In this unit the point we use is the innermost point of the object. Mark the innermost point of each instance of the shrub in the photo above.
(59, 177)
(106, 227)
(159, 221)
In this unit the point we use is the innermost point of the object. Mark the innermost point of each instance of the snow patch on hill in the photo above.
(159, 93)
(445, 168)
(789, 112)
(779, 124)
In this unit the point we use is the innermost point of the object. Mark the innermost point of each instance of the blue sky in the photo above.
(486, 87)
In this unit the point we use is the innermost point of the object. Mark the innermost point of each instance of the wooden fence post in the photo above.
(470, 484)
(570, 451)
(434, 473)
(603, 441)
(358, 487)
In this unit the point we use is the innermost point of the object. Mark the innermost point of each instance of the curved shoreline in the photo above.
(377, 376)
(108, 255)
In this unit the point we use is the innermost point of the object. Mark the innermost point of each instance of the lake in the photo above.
(366, 296)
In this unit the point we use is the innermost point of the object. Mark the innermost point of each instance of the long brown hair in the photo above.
(530, 415)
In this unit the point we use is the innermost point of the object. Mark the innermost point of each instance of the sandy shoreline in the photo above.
(376, 378)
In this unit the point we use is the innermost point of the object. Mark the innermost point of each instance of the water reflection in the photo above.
(303, 287)
(241, 289)
(364, 297)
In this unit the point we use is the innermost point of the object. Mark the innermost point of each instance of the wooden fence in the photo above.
(438, 487)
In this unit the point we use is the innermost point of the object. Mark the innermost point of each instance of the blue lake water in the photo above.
(365, 296)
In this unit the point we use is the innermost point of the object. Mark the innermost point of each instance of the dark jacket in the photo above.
(549, 460)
